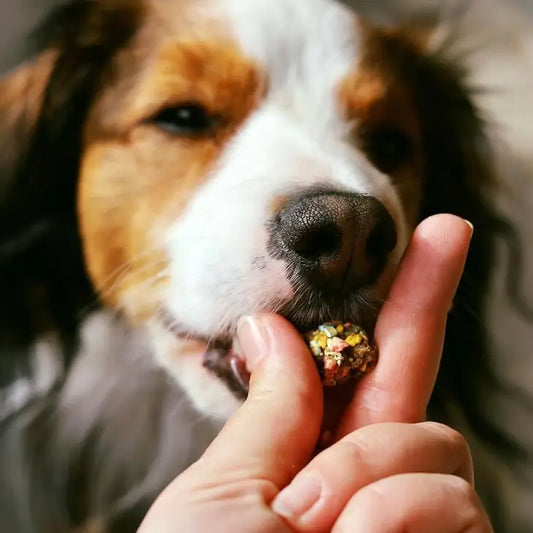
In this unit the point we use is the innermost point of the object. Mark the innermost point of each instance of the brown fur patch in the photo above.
(136, 178)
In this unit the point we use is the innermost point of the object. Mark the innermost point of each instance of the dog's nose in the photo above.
(336, 240)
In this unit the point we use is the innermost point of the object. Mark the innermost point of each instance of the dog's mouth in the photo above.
(221, 356)
(223, 359)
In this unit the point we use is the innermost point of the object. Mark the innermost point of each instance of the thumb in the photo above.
(272, 436)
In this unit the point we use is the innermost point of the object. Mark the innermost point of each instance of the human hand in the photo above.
(379, 476)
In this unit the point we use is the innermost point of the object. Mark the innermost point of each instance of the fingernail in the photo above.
(298, 498)
(255, 339)
(469, 224)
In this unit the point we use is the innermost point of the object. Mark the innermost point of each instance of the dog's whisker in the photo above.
(132, 270)
(127, 265)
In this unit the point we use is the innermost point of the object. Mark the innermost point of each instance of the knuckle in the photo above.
(346, 457)
(354, 457)
(356, 448)
(354, 451)
(371, 500)
(450, 435)
(464, 490)
(455, 447)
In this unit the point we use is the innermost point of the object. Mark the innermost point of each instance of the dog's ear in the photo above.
(458, 162)
(43, 109)
(459, 158)
(43, 106)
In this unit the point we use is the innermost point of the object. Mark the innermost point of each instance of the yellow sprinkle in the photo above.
(340, 328)
(354, 339)
(363, 367)
(322, 341)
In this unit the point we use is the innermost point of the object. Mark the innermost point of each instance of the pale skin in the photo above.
(387, 471)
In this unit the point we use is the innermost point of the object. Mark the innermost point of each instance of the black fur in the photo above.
(44, 287)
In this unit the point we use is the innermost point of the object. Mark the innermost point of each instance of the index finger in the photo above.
(411, 326)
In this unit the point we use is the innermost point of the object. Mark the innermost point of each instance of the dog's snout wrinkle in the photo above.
(336, 240)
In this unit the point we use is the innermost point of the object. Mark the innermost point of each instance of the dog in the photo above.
(170, 166)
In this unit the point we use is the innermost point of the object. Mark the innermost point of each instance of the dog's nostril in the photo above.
(321, 241)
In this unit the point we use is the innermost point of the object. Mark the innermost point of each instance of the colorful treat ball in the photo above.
(341, 350)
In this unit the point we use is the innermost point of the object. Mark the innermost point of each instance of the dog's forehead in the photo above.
(295, 41)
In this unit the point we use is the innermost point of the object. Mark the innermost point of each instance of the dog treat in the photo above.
(341, 350)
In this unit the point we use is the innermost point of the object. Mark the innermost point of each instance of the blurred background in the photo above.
(17, 18)
(495, 39)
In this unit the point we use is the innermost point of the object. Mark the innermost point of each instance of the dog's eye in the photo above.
(388, 148)
(188, 120)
